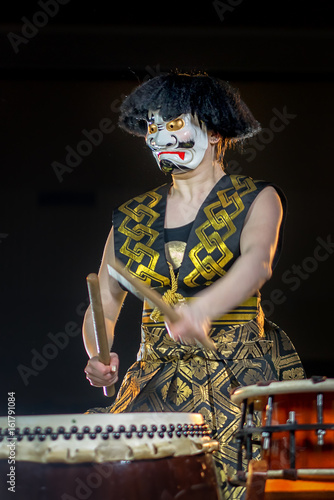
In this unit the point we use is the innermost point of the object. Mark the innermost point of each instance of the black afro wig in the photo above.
(212, 100)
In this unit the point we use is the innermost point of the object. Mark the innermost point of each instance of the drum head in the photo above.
(253, 393)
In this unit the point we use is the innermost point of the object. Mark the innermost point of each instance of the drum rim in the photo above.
(184, 417)
(281, 387)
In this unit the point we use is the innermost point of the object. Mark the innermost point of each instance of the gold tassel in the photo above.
(171, 296)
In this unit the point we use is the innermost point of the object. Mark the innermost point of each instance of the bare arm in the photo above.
(250, 271)
(253, 268)
(112, 296)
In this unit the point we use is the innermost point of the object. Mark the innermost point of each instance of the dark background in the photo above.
(69, 74)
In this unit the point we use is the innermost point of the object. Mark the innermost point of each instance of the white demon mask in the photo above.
(177, 145)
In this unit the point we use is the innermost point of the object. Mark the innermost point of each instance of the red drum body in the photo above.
(295, 420)
(293, 424)
(134, 456)
(309, 443)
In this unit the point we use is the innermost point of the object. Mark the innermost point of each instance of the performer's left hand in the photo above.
(192, 328)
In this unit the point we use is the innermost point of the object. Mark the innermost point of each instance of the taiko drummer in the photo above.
(207, 241)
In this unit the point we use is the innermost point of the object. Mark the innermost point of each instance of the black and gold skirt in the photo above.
(168, 376)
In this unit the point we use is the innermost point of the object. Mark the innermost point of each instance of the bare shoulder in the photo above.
(267, 205)
(263, 221)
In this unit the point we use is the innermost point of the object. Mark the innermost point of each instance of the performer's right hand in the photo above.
(100, 375)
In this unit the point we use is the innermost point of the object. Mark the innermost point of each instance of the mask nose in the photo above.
(162, 139)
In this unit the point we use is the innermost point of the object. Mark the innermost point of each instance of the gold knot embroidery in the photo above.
(171, 296)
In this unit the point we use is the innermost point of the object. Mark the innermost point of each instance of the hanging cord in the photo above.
(171, 296)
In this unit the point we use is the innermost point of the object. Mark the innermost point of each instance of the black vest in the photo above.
(213, 244)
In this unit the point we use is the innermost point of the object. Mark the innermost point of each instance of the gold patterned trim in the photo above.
(211, 255)
(246, 312)
(140, 237)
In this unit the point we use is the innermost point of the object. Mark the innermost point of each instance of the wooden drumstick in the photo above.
(143, 291)
(99, 325)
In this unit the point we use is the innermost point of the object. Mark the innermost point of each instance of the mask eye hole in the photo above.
(175, 124)
(152, 128)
